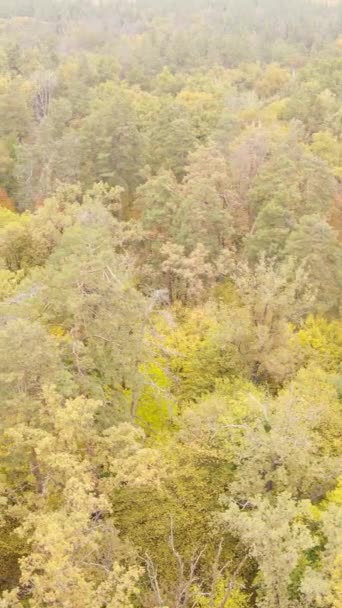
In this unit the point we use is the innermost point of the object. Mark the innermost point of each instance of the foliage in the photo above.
(170, 304)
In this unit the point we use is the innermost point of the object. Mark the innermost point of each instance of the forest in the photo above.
(170, 304)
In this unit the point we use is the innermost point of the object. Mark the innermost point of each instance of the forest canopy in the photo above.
(170, 303)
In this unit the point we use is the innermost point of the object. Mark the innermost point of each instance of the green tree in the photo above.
(205, 211)
(300, 183)
(113, 149)
(43, 162)
(270, 297)
(270, 231)
(276, 537)
(273, 80)
(321, 586)
(315, 244)
(289, 444)
(171, 139)
(88, 290)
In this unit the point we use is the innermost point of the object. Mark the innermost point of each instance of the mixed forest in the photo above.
(170, 304)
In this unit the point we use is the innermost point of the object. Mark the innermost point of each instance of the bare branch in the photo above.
(184, 582)
(152, 573)
(232, 582)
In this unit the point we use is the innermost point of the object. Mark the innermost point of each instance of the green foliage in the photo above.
(112, 146)
(170, 302)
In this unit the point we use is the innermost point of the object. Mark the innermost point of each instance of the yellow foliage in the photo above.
(335, 496)
(273, 80)
(237, 598)
(217, 80)
(187, 348)
(57, 330)
(274, 110)
(7, 217)
(249, 115)
(9, 281)
(4, 83)
(322, 342)
(329, 148)
(196, 99)
(144, 104)
(227, 294)
(204, 109)
(156, 407)
(11, 217)
(177, 342)
(68, 70)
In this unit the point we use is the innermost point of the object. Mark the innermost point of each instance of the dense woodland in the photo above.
(170, 304)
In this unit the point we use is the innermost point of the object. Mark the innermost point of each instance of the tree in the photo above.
(272, 81)
(44, 85)
(171, 139)
(186, 277)
(270, 297)
(75, 556)
(113, 149)
(87, 289)
(315, 101)
(203, 108)
(5, 201)
(300, 183)
(270, 231)
(321, 585)
(43, 162)
(276, 536)
(321, 340)
(156, 202)
(327, 147)
(32, 360)
(16, 241)
(170, 227)
(205, 212)
(16, 107)
(315, 244)
(247, 156)
(289, 444)
(167, 83)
